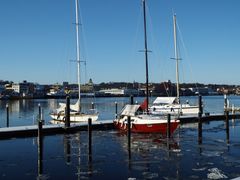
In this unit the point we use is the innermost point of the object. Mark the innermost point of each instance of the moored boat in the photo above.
(143, 123)
(172, 105)
(75, 110)
(169, 105)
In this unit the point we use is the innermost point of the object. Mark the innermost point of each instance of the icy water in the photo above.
(151, 156)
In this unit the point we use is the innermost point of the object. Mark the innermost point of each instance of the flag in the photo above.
(143, 106)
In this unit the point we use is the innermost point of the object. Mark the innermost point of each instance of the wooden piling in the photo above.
(7, 111)
(40, 148)
(200, 120)
(129, 136)
(129, 132)
(199, 131)
(116, 110)
(225, 102)
(39, 112)
(67, 113)
(90, 139)
(227, 126)
(200, 111)
(131, 99)
(168, 126)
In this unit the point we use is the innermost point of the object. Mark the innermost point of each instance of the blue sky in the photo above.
(37, 40)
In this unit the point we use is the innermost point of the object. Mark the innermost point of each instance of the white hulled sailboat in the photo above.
(172, 105)
(75, 110)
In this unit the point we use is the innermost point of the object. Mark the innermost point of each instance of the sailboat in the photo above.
(144, 122)
(172, 105)
(75, 114)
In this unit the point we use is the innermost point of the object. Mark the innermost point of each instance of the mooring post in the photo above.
(168, 126)
(90, 139)
(200, 109)
(200, 120)
(40, 147)
(67, 113)
(129, 136)
(39, 111)
(7, 111)
(131, 99)
(199, 131)
(227, 126)
(93, 106)
(129, 131)
(116, 110)
(225, 102)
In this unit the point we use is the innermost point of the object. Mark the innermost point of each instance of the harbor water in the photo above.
(151, 156)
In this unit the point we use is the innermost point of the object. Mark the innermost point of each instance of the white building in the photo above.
(119, 92)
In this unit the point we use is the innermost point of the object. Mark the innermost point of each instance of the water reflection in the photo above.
(151, 156)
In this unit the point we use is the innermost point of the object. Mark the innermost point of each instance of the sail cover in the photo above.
(164, 100)
(130, 110)
(73, 107)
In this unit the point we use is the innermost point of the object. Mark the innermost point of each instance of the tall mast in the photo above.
(176, 56)
(146, 50)
(78, 54)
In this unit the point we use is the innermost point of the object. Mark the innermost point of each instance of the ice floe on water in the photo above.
(216, 173)
(199, 169)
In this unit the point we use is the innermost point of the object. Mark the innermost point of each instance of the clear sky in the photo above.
(37, 40)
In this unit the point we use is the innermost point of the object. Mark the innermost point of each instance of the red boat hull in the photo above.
(147, 128)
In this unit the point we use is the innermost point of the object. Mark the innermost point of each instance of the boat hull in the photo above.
(174, 109)
(74, 117)
(146, 125)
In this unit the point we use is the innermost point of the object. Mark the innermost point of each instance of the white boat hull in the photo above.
(184, 109)
(74, 117)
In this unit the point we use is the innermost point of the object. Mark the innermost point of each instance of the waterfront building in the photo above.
(119, 92)
(23, 89)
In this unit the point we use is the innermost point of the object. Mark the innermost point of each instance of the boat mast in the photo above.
(176, 56)
(78, 55)
(146, 51)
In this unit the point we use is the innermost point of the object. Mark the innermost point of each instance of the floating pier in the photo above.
(32, 130)
(67, 127)
(207, 118)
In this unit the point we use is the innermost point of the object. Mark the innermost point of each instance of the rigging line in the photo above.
(156, 55)
(181, 67)
(134, 46)
(186, 53)
(156, 58)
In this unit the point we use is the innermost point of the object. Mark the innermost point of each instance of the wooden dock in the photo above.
(207, 118)
(50, 129)
(32, 130)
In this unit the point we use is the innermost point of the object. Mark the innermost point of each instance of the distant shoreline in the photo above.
(97, 96)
